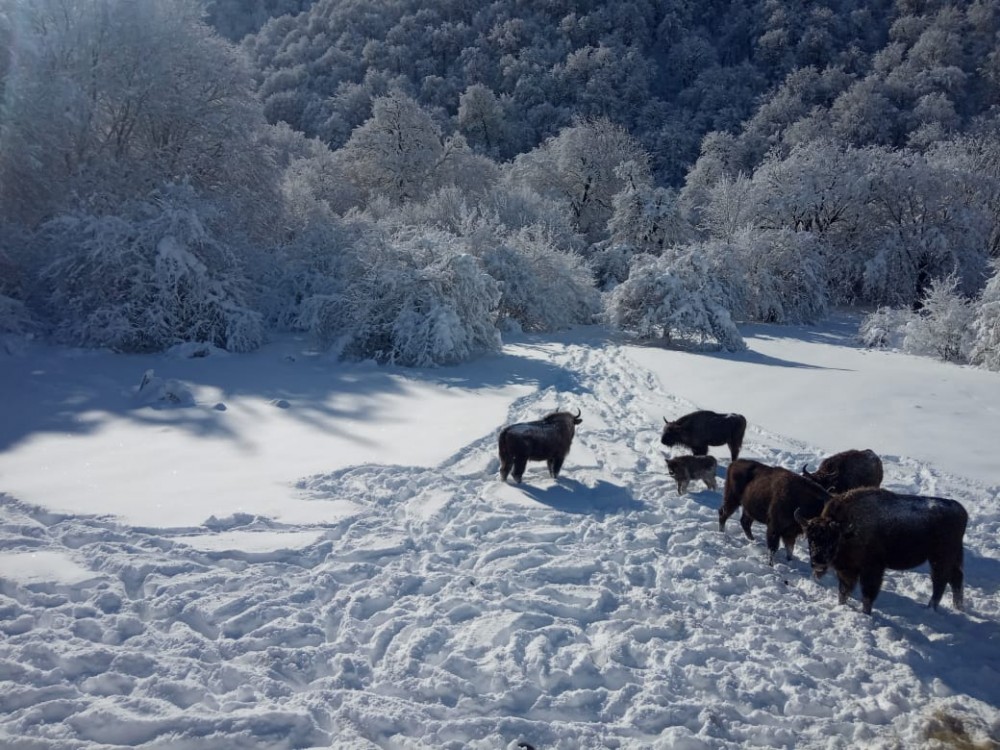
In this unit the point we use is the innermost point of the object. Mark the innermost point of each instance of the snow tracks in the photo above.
(450, 610)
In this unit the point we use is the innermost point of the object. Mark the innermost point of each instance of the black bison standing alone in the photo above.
(865, 531)
(848, 470)
(771, 495)
(700, 429)
(547, 439)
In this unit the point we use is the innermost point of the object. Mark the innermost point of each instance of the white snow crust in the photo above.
(348, 571)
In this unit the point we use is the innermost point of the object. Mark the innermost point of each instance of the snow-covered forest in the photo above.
(407, 181)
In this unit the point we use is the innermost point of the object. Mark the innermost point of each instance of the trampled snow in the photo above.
(298, 553)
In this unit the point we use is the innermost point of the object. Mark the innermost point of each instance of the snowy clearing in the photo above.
(346, 571)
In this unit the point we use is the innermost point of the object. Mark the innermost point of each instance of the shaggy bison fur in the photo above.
(863, 532)
(547, 439)
(687, 469)
(848, 470)
(700, 429)
(771, 495)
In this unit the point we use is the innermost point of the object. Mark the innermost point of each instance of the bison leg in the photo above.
(789, 540)
(772, 544)
(682, 486)
(724, 513)
(871, 584)
(555, 466)
(504, 470)
(519, 466)
(957, 580)
(710, 481)
(746, 521)
(845, 585)
(734, 449)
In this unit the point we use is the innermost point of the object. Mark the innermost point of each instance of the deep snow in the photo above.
(288, 552)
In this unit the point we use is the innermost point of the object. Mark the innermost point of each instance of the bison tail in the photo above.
(505, 454)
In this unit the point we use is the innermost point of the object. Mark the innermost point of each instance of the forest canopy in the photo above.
(407, 181)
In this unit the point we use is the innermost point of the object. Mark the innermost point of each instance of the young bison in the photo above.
(848, 470)
(687, 469)
(771, 495)
(546, 439)
(700, 429)
(863, 532)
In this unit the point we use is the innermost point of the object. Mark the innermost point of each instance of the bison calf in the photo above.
(770, 495)
(848, 470)
(700, 429)
(547, 439)
(687, 469)
(863, 532)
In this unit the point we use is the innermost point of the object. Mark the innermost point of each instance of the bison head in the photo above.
(671, 433)
(823, 535)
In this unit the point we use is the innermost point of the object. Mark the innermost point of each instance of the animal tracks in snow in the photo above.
(437, 606)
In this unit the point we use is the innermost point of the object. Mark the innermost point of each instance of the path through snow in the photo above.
(440, 608)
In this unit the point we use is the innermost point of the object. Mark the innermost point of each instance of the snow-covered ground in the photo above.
(279, 551)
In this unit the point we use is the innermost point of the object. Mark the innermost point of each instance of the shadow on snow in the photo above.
(571, 496)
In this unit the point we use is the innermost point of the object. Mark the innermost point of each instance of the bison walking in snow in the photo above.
(848, 470)
(770, 495)
(687, 469)
(700, 429)
(547, 439)
(862, 533)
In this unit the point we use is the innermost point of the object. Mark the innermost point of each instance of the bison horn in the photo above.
(666, 420)
(805, 468)
(578, 412)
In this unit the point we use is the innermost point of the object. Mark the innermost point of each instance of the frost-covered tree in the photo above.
(986, 324)
(153, 276)
(542, 287)
(106, 99)
(481, 119)
(581, 167)
(942, 326)
(401, 154)
(415, 299)
(644, 216)
(774, 276)
(676, 297)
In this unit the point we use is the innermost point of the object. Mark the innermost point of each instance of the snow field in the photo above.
(441, 608)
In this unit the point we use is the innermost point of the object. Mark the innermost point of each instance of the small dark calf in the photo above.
(687, 469)
(848, 471)
(862, 533)
(546, 439)
(770, 495)
(700, 429)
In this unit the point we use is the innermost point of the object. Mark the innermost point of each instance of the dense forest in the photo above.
(407, 181)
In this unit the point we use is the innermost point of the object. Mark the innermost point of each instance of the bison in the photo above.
(863, 532)
(687, 469)
(771, 495)
(547, 439)
(700, 429)
(848, 470)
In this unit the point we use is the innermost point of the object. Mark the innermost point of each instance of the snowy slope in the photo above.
(391, 593)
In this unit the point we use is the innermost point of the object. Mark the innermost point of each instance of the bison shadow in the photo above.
(705, 497)
(572, 496)
(958, 658)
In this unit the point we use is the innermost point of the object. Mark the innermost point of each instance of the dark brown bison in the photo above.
(547, 439)
(770, 495)
(865, 531)
(687, 469)
(848, 471)
(700, 429)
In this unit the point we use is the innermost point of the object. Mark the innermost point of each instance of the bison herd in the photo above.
(850, 523)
